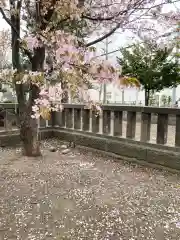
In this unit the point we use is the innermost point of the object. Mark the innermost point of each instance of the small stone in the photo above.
(65, 151)
(63, 146)
(53, 149)
(178, 224)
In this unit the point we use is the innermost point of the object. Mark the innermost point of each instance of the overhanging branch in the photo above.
(104, 37)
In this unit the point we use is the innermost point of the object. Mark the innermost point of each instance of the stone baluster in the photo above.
(106, 122)
(42, 123)
(63, 119)
(85, 119)
(69, 117)
(118, 123)
(56, 119)
(162, 129)
(131, 125)
(50, 121)
(77, 118)
(145, 126)
(95, 123)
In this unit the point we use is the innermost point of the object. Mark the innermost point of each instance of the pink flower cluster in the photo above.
(71, 60)
(50, 99)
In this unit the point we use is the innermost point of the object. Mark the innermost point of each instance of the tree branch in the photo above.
(8, 21)
(49, 14)
(99, 18)
(104, 37)
(133, 8)
(27, 52)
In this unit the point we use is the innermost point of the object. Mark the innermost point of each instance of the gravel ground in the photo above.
(82, 195)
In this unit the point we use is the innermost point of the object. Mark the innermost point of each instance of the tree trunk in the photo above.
(28, 126)
(65, 96)
(29, 132)
(147, 93)
(29, 137)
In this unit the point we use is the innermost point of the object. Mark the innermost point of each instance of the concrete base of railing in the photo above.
(147, 153)
(157, 155)
(12, 138)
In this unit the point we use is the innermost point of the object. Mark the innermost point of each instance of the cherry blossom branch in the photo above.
(104, 37)
(119, 24)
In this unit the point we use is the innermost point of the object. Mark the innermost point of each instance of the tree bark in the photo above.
(29, 132)
(65, 96)
(29, 137)
(147, 94)
(28, 126)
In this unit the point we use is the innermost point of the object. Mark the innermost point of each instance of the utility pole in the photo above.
(174, 88)
(177, 60)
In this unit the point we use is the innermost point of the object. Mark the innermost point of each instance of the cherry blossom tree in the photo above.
(53, 29)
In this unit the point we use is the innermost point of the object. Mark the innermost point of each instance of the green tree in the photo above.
(154, 67)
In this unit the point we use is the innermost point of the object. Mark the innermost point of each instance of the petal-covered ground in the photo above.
(83, 195)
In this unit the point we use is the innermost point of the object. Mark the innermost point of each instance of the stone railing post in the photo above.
(145, 126)
(106, 122)
(131, 125)
(118, 123)
(69, 117)
(162, 129)
(57, 119)
(42, 123)
(85, 119)
(77, 118)
(95, 123)
(63, 119)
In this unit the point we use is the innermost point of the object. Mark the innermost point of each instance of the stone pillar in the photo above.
(85, 119)
(131, 125)
(95, 123)
(77, 118)
(118, 123)
(69, 117)
(162, 129)
(106, 122)
(145, 126)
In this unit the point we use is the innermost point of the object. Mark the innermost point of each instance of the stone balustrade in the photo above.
(110, 122)
(139, 139)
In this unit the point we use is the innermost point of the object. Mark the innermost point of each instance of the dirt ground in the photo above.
(82, 195)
